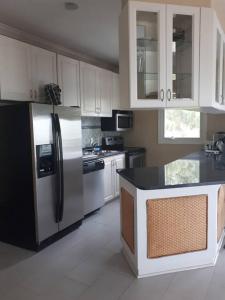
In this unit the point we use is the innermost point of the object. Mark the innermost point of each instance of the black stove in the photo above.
(135, 156)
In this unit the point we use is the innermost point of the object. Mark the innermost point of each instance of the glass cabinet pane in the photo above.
(147, 55)
(182, 56)
(218, 65)
(223, 75)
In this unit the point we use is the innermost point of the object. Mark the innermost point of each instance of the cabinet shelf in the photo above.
(147, 44)
(182, 76)
(148, 76)
(182, 45)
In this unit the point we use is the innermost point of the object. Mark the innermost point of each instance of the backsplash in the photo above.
(91, 131)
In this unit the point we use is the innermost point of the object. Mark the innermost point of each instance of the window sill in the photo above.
(180, 141)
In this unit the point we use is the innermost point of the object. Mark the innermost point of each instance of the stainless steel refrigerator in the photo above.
(41, 176)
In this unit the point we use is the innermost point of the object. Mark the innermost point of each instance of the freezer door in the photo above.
(44, 181)
(70, 127)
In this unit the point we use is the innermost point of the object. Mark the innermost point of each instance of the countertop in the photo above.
(195, 169)
(102, 155)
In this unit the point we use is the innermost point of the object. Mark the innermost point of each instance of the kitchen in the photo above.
(103, 131)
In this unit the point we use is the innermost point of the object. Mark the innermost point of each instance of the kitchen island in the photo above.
(173, 216)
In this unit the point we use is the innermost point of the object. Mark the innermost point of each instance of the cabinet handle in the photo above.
(31, 93)
(162, 94)
(169, 94)
(35, 94)
(222, 99)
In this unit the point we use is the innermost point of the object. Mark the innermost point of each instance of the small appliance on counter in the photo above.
(217, 145)
(93, 182)
(120, 121)
(134, 156)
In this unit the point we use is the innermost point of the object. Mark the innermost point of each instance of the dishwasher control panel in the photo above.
(93, 165)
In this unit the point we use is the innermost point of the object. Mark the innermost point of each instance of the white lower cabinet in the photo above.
(108, 180)
(111, 178)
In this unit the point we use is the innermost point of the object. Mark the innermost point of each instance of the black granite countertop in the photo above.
(195, 169)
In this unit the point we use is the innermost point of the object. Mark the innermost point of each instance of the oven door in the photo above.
(123, 122)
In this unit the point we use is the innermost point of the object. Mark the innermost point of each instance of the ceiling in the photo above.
(92, 29)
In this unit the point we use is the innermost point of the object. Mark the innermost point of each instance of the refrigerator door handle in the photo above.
(60, 169)
(57, 167)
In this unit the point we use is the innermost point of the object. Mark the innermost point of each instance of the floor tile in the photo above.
(152, 288)
(88, 264)
(110, 286)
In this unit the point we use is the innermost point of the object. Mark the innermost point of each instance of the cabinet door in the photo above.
(43, 71)
(119, 164)
(69, 80)
(147, 54)
(108, 180)
(88, 89)
(183, 26)
(15, 70)
(105, 93)
(223, 74)
(115, 92)
(219, 75)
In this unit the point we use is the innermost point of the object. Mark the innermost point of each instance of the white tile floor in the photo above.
(88, 265)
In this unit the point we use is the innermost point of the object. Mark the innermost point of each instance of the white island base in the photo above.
(171, 230)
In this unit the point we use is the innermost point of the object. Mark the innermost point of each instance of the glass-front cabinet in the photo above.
(147, 53)
(163, 55)
(220, 67)
(183, 24)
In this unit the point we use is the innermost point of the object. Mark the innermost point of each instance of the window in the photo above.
(181, 127)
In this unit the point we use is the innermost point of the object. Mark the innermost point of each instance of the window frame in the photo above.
(163, 140)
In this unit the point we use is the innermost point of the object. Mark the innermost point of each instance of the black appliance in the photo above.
(120, 121)
(134, 156)
(92, 164)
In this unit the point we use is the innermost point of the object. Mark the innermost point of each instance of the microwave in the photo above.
(121, 120)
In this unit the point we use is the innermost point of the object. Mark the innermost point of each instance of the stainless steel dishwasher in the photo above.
(93, 183)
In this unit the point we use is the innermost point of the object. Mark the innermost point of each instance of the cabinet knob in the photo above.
(169, 94)
(162, 94)
(31, 93)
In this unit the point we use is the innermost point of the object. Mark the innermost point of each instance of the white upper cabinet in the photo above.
(69, 80)
(105, 85)
(115, 92)
(24, 70)
(96, 91)
(15, 70)
(183, 26)
(88, 89)
(43, 71)
(212, 62)
(159, 55)
(143, 75)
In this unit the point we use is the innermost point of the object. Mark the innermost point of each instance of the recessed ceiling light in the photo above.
(71, 5)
